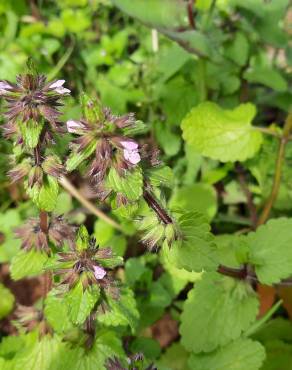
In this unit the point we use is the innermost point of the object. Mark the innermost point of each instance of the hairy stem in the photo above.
(278, 171)
(190, 6)
(157, 208)
(44, 221)
(97, 212)
(242, 273)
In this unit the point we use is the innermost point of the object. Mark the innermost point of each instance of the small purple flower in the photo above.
(58, 87)
(99, 272)
(4, 86)
(131, 153)
(74, 126)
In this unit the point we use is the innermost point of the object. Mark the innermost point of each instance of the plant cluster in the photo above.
(206, 272)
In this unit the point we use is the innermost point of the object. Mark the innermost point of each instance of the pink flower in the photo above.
(4, 86)
(131, 153)
(58, 87)
(74, 126)
(99, 272)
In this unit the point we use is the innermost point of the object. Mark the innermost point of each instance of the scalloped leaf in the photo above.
(220, 309)
(225, 135)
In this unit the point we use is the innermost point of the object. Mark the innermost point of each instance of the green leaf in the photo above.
(48, 194)
(169, 13)
(279, 355)
(6, 302)
(177, 97)
(80, 302)
(220, 309)
(161, 176)
(10, 345)
(195, 197)
(103, 232)
(121, 311)
(91, 108)
(238, 49)
(270, 251)
(169, 141)
(45, 197)
(135, 270)
(130, 186)
(148, 346)
(30, 132)
(56, 313)
(107, 345)
(226, 135)
(171, 61)
(278, 328)
(76, 158)
(26, 264)
(45, 354)
(267, 76)
(242, 354)
(194, 42)
(197, 250)
(82, 239)
(9, 245)
(174, 358)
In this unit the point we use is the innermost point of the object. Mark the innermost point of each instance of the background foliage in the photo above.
(208, 90)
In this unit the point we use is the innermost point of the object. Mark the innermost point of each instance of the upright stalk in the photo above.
(278, 171)
(43, 221)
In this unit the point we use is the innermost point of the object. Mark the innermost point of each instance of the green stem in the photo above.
(259, 323)
(201, 80)
(278, 171)
(62, 61)
(268, 131)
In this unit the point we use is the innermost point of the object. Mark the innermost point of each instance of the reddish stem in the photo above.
(44, 221)
(160, 211)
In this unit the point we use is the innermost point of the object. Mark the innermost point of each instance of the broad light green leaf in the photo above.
(45, 354)
(130, 185)
(219, 309)
(48, 194)
(56, 313)
(121, 311)
(195, 197)
(174, 358)
(197, 250)
(270, 250)
(6, 301)
(9, 245)
(45, 197)
(242, 354)
(26, 264)
(226, 135)
(80, 303)
(107, 345)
